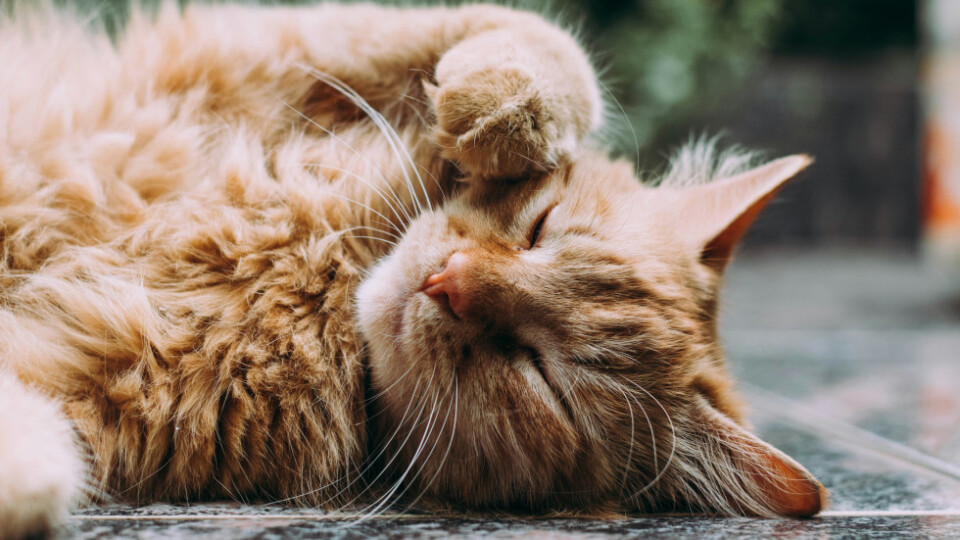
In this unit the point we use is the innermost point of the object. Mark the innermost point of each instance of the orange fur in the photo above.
(187, 219)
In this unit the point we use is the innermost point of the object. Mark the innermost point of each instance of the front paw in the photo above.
(41, 471)
(495, 123)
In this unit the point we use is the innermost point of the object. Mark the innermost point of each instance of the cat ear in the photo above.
(714, 216)
(751, 477)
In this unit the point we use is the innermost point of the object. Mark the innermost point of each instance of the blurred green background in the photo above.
(835, 79)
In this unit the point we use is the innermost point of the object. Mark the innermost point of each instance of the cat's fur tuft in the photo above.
(702, 160)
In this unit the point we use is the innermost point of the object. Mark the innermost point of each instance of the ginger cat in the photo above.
(341, 254)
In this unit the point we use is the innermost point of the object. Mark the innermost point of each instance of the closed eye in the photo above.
(538, 227)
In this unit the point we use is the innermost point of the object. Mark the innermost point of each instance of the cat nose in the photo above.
(447, 287)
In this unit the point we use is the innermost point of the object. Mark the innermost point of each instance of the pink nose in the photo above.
(447, 287)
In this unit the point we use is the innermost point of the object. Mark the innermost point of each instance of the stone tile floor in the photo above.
(851, 361)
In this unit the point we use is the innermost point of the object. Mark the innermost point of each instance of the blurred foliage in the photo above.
(669, 59)
(671, 64)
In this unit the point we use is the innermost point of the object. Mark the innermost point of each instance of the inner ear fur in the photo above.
(714, 216)
(752, 477)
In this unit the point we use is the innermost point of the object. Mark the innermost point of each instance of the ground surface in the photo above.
(851, 361)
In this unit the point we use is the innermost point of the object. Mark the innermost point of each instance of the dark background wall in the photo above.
(860, 120)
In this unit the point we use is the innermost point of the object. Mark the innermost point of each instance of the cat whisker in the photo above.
(636, 140)
(428, 434)
(413, 98)
(144, 478)
(371, 462)
(388, 388)
(313, 122)
(384, 499)
(402, 481)
(446, 454)
(573, 385)
(386, 444)
(388, 335)
(653, 434)
(389, 133)
(374, 238)
(535, 163)
(368, 228)
(626, 465)
(371, 186)
(673, 434)
(365, 206)
(436, 182)
(417, 106)
(231, 494)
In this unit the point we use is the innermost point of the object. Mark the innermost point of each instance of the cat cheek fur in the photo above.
(443, 382)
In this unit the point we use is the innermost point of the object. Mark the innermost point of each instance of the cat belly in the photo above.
(207, 352)
(231, 385)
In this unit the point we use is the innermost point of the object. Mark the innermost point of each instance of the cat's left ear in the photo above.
(713, 217)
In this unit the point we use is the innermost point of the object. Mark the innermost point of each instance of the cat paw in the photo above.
(40, 470)
(496, 123)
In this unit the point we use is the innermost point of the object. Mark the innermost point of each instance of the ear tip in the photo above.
(824, 498)
(801, 161)
(808, 504)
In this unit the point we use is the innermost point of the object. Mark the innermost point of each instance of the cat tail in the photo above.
(42, 471)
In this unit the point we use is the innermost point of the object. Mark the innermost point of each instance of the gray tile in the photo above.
(847, 287)
(199, 510)
(870, 339)
(901, 385)
(646, 527)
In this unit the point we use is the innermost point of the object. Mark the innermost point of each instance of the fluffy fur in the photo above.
(209, 229)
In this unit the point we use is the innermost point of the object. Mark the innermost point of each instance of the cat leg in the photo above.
(504, 92)
(509, 92)
(41, 470)
(513, 99)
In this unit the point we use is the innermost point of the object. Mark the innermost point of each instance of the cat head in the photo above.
(551, 343)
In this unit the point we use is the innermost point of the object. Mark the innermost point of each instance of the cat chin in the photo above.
(385, 303)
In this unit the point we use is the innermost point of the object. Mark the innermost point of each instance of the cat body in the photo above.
(289, 254)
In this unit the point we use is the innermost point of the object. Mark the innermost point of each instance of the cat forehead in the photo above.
(597, 205)
(590, 187)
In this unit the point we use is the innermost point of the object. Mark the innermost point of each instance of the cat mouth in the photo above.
(542, 373)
